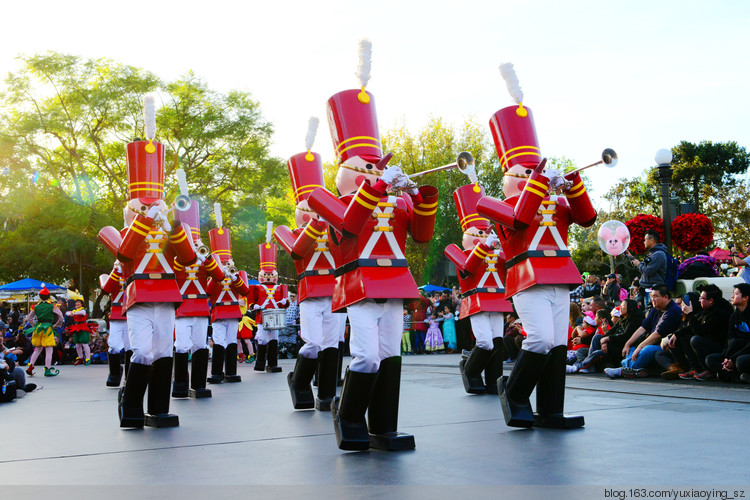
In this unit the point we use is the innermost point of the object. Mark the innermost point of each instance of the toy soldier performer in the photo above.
(481, 272)
(308, 247)
(534, 231)
(149, 247)
(368, 230)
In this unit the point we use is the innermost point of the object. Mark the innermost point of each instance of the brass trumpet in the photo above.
(203, 251)
(609, 158)
(182, 203)
(464, 161)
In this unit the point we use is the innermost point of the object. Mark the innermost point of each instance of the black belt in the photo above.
(482, 290)
(535, 253)
(351, 266)
(227, 303)
(315, 272)
(149, 276)
(194, 296)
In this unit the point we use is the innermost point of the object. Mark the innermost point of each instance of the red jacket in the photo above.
(312, 257)
(481, 272)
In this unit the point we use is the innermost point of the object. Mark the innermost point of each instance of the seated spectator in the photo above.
(575, 318)
(700, 266)
(514, 335)
(734, 362)
(611, 289)
(591, 287)
(631, 318)
(705, 333)
(640, 350)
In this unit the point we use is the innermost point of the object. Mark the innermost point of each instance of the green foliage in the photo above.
(63, 127)
(435, 145)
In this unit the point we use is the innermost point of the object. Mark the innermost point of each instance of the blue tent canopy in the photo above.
(29, 285)
(433, 288)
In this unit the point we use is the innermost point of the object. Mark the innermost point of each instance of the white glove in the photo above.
(284, 301)
(556, 180)
(400, 181)
(200, 258)
(234, 277)
(118, 267)
(152, 212)
(492, 240)
(390, 173)
(256, 307)
(166, 226)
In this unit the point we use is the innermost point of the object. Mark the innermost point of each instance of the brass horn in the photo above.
(203, 251)
(182, 203)
(464, 161)
(609, 158)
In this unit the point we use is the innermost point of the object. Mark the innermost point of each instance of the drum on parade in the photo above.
(274, 319)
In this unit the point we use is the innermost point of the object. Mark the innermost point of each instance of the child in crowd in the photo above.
(433, 339)
(406, 337)
(449, 330)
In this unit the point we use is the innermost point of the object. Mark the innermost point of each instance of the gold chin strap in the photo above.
(374, 172)
(306, 210)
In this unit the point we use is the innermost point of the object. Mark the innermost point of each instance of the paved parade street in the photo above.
(643, 432)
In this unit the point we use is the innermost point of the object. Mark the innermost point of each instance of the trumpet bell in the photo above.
(203, 251)
(182, 203)
(465, 161)
(232, 270)
(609, 157)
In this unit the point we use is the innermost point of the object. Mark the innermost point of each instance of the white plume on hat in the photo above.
(269, 231)
(312, 129)
(182, 181)
(149, 115)
(511, 80)
(365, 61)
(217, 214)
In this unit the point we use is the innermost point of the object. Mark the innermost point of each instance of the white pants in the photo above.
(487, 326)
(544, 311)
(264, 336)
(225, 331)
(151, 330)
(376, 331)
(319, 326)
(190, 333)
(118, 336)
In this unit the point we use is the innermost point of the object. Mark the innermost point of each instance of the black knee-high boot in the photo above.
(128, 355)
(550, 394)
(348, 411)
(130, 397)
(217, 364)
(115, 370)
(230, 363)
(494, 368)
(157, 414)
(299, 383)
(471, 370)
(180, 386)
(198, 374)
(515, 390)
(260, 358)
(273, 357)
(382, 413)
(340, 379)
(328, 363)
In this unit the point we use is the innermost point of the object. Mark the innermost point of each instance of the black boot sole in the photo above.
(349, 437)
(472, 385)
(392, 441)
(162, 420)
(302, 399)
(200, 393)
(559, 421)
(232, 379)
(516, 415)
(323, 404)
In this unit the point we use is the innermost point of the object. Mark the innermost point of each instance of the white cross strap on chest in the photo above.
(321, 248)
(548, 224)
(226, 295)
(192, 277)
(270, 292)
(155, 240)
(491, 270)
(384, 213)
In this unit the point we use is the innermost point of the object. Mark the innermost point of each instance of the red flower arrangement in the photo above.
(692, 232)
(638, 226)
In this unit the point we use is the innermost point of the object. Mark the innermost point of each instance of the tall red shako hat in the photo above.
(352, 118)
(513, 128)
(191, 216)
(306, 169)
(220, 239)
(145, 160)
(267, 251)
(466, 198)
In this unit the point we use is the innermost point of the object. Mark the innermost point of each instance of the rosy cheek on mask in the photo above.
(305, 218)
(359, 180)
(521, 185)
(476, 241)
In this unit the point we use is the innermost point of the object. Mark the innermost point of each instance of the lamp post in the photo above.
(664, 161)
